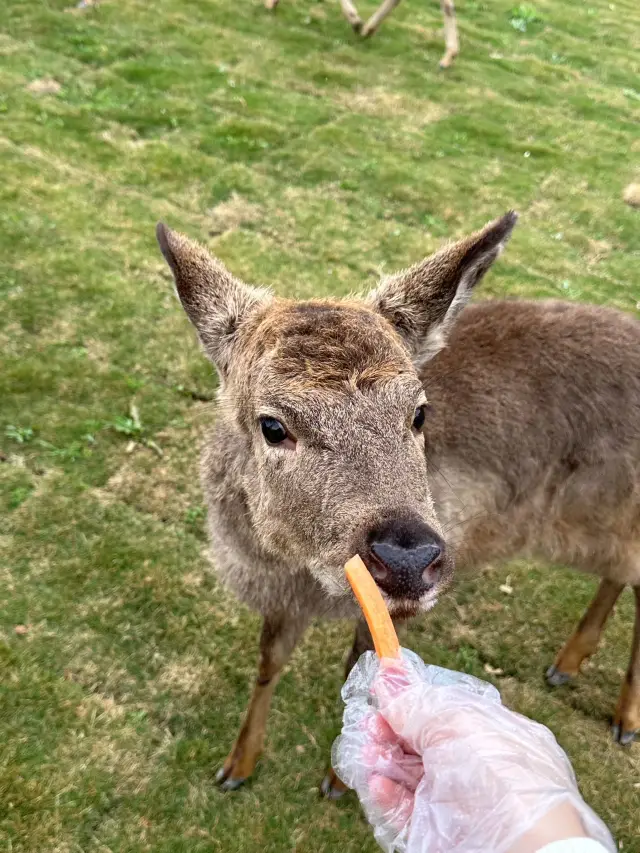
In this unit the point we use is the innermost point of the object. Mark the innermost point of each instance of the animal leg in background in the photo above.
(351, 14)
(626, 722)
(452, 46)
(378, 17)
(278, 639)
(584, 641)
(333, 787)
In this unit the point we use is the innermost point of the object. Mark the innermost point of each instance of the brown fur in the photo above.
(531, 444)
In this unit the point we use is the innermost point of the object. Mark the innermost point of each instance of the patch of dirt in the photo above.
(103, 496)
(232, 213)
(165, 488)
(122, 136)
(598, 250)
(632, 195)
(44, 86)
(153, 491)
(101, 705)
(187, 675)
(193, 580)
(463, 633)
(385, 104)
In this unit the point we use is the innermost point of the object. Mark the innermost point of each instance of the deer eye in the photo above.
(273, 431)
(419, 418)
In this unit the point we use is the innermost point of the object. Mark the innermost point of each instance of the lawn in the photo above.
(310, 161)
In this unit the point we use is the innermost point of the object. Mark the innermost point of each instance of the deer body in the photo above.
(534, 439)
(413, 433)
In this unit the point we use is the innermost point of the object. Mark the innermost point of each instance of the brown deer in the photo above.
(409, 431)
(367, 29)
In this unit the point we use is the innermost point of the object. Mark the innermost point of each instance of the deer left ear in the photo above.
(423, 302)
(216, 303)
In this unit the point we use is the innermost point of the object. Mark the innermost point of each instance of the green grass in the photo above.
(309, 160)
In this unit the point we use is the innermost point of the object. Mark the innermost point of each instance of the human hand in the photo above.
(441, 766)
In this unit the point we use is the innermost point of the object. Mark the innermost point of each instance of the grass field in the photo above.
(310, 161)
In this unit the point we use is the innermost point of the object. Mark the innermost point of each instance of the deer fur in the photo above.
(531, 445)
(452, 45)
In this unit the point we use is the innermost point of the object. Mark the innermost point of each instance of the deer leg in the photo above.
(270, 4)
(378, 17)
(332, 787)
(626, 723)
(452, 47)
(584, 640)
(351, 14)
(277, 641)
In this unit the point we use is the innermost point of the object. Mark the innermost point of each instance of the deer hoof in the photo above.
(447, 60)
(332, 788)
(367, 31)
(624, 738)
(357, 25)
(555, 678)
(226, 782)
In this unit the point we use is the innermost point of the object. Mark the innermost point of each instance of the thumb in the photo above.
(403, 699)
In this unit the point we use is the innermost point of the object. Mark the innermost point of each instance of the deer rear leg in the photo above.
(378, 17)
(332, 787)
(626, 722)
(584, 641)
(351, 14)
(277, 640)
(451, 44)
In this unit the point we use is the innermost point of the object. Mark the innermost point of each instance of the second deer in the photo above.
(414, 433)
(367, 29)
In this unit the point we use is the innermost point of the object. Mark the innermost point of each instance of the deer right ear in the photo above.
(423, 302)
(215, 301)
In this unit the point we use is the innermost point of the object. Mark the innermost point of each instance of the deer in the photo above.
(349, 10)
(420, 432)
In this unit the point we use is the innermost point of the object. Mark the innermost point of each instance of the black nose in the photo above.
(406, 557)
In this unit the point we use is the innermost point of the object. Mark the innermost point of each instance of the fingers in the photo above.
(423, 714)
(396, 676)
(378, 731)
(393, 799)
(404, 702)
(383, 754)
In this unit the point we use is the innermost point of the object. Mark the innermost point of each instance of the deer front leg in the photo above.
(332, 787)
(626, 722)
(270, 4)
(584, 641)
(452, 47)
(278, 639)
(378, 17)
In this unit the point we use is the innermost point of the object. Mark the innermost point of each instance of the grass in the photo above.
(308, 160)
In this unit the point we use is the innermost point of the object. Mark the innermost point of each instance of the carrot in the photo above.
(375, 610)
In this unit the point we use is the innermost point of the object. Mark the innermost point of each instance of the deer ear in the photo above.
(423, 302)
(215, 301)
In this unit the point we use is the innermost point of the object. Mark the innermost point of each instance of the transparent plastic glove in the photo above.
(441, 766)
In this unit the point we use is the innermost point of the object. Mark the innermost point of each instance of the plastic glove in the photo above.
(441, 766)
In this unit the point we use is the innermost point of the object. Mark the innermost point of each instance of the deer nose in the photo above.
(406, 557)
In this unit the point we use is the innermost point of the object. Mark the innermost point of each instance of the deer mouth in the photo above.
(406, 608)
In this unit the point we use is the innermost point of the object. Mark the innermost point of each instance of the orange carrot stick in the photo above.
(375, 610)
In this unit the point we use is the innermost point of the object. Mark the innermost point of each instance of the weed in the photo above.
(18, 496)
(524, 16)
(20, 434)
